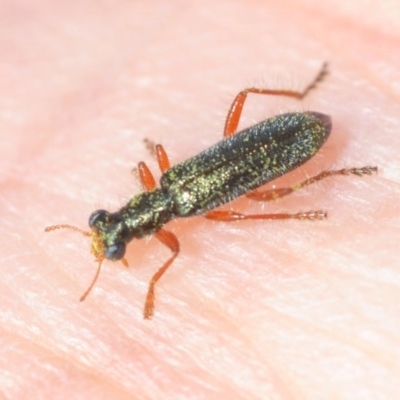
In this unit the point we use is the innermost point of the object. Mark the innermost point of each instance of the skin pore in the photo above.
(291, 309)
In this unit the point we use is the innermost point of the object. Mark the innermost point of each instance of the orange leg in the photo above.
(158, 151)
(273, 194)
(165, 237)
(231, 216)
(146, 177)
(162, 158)
(168, 239)
(235, 111)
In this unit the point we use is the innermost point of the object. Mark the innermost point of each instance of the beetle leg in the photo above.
(159, 152)
(170, 240)
(232, 216)
(236, 108)
(146, 177)
(273, 194)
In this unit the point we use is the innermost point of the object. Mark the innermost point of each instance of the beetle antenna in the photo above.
(62, 226)
(85, 233)
(89, 289)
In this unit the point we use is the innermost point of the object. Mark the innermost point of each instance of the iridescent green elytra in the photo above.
(236, 166)
(245, 161)
(233, 167)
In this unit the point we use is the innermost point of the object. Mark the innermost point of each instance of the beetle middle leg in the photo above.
(236, 108)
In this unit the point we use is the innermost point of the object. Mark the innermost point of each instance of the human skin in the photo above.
(252, 310)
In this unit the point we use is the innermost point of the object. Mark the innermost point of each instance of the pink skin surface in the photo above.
(252, 310)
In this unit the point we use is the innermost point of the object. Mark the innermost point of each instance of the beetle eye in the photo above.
(98, 216)
(115, 252)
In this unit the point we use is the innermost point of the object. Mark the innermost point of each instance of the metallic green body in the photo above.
(244, 162)
(232, 167)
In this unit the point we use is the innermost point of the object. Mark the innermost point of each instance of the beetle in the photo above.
(235, 166)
